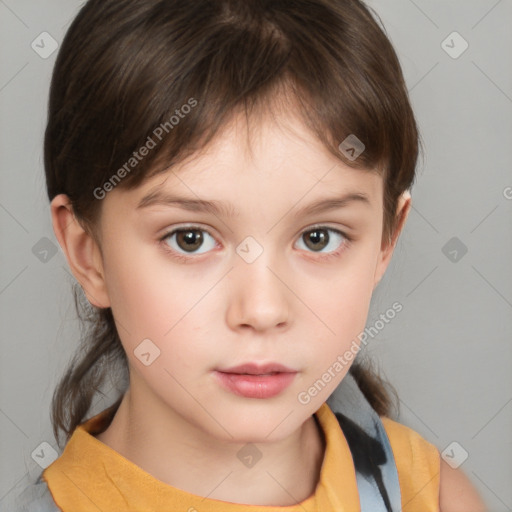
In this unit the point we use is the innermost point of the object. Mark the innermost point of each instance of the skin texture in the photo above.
(456, 492)
(291, 305)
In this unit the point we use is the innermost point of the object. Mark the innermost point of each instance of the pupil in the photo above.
(192, 239)
(318, 236)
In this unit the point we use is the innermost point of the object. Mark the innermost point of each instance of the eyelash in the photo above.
(189, 259)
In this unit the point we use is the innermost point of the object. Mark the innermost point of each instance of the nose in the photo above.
(258, 297)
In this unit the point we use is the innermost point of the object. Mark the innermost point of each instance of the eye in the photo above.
(320, 237)
(188, 240)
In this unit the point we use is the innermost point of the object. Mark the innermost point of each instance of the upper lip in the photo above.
(257, 369)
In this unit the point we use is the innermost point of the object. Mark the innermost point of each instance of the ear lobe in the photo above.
(402, 212)
(81, 250)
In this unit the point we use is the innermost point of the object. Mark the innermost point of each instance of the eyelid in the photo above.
(181, 227)
(326, 225)
(184, 227)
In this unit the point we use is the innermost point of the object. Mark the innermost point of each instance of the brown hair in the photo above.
(126, 70)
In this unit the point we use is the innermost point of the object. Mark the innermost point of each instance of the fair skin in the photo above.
(291, 305)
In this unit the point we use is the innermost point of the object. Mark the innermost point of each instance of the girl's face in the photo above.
(269, 267)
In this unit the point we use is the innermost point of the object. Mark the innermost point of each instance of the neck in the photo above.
(287, 473)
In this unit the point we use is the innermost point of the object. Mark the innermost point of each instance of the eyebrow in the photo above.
(160, 197)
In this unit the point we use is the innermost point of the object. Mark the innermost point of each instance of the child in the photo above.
(228, 180)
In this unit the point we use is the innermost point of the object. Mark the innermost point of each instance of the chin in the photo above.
(261, 424)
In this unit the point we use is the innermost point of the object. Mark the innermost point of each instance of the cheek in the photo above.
(340, 308)
(345, 314)
(151, 299)
(137, 294)
(143, 298)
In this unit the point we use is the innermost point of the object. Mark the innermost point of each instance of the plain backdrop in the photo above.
(448, 352)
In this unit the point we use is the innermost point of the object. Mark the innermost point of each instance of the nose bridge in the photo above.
(254, 266)
(258, 296)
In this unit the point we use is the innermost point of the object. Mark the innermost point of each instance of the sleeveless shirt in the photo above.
(357, 473)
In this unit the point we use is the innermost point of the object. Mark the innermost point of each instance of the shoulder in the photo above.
(424, 475)
(412, 451)
(417, 462)
(457, 493)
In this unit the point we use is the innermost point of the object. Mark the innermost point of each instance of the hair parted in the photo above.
(126, 68)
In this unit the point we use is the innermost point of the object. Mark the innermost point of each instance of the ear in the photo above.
(387, 248)
(81, 250)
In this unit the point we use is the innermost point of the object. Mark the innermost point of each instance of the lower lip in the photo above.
(256, 386)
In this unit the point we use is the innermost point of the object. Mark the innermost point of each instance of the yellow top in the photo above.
(90, 476)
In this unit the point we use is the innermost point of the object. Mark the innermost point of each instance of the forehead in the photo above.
(267, 156)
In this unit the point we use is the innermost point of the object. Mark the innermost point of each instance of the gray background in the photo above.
(448, 352)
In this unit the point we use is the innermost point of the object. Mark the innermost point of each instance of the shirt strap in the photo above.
(374, 462)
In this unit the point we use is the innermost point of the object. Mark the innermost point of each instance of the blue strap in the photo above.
(374, 462)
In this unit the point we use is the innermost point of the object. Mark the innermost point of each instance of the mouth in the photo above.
(258, 369)
(251, 380)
